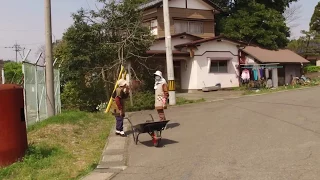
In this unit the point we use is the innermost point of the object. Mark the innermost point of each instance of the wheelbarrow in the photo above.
(154, 129)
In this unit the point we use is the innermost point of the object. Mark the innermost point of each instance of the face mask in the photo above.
(158, 78)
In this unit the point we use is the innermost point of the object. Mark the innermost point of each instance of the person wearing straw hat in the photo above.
(118, 105)
(161, 94)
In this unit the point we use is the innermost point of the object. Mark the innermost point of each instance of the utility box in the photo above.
(13, 131)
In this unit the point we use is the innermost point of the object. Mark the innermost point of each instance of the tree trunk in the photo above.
(106, 84)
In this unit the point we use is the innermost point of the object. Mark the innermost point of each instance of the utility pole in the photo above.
(17, 48)
(170, 69)
(49, 62)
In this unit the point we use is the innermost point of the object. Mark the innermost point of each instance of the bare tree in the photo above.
(292, 14)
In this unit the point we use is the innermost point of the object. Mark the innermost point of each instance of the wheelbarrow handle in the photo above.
(132, 129)
(151, 117)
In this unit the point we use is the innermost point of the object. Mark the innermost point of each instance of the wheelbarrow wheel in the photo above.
(156, 142)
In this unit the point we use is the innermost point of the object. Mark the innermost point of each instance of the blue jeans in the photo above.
(119, 125)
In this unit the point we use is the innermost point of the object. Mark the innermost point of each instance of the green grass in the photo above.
(67, 146)
(182, 101)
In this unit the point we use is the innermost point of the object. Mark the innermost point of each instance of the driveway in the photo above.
(268, 137)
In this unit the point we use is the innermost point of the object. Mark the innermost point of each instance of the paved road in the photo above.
(269, 137)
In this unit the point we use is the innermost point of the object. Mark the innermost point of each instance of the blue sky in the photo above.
(25, 23)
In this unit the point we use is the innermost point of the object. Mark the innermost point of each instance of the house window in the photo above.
(218, 66)
(153, 26)
(192, 27)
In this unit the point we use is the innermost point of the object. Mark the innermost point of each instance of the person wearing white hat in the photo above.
(161, 94)
(118, 105)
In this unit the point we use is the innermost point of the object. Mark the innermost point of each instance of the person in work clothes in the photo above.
(118, 105)
(161, 94)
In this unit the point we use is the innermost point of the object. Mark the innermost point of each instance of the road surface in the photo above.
(268, 137)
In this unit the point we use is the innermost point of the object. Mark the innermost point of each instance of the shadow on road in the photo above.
(163, 142)
(172, 125)
(169, 126)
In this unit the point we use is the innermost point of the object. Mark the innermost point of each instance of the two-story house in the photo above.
(195, 17)
(201, 59)
(190, 20)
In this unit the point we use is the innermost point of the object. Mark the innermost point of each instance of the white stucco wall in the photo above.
(198, 4)
(250, 60)
(200, 66)
(189, 74)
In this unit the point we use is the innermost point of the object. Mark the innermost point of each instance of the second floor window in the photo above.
(153, 26)
(192, 27)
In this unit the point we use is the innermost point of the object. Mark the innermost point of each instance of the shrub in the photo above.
(13, 73)
(77, 96)
(141, 101)
(310, 69)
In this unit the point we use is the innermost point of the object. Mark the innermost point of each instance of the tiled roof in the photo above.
(272, 56)
(181, 34)
(153, 3)
(163, 52)
(261, 54)
(194, 43)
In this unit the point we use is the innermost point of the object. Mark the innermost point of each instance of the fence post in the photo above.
(24, 94)
(36, 84)
(2, 76)
(59, 92)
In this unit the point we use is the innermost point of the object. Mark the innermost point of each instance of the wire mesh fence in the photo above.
(35, 92)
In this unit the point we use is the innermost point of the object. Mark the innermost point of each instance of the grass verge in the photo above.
(280, 88)
(67, 146)
(182, 101)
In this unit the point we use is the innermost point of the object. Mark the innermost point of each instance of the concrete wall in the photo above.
(313, 75)
(198, 68)
(292, 69)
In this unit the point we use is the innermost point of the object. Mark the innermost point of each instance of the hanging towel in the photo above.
(255, 74)
(245, 75)
(267, 73)
(261, 73)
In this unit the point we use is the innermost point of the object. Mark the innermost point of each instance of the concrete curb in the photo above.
(114, 156)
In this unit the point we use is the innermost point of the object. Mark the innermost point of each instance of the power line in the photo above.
(21, 30)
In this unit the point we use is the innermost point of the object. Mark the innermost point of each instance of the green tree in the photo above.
(13, 73)
(94, 47)
(315, 19)
(306, 45)
(254, 23)
(234, 5)
(297, 45)
(278, 5)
